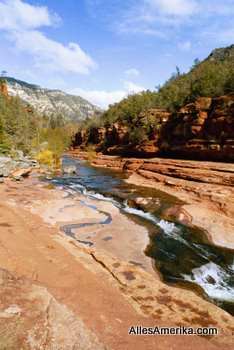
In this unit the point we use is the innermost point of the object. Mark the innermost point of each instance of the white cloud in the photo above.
(20, 20)
(52, 55)
(157, 17)
(132, 72)
(16, 14)
(132, 88)
(103, 98)
(165, 18)
(100, 98)
(185, 45)
(174, 7)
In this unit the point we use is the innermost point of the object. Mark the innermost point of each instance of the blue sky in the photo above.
(103, 50)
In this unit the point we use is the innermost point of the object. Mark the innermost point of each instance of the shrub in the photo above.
(136, 136)
(45, 157)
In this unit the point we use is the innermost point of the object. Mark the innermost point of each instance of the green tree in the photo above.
(55, 140)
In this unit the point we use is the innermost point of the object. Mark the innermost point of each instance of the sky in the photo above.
(104, 50)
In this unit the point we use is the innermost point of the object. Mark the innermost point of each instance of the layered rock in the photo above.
(211, 182)
(93, 304)
(203, 129)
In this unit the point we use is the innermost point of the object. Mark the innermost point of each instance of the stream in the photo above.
(183, 255)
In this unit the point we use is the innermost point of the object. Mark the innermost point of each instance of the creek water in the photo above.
(183, 255)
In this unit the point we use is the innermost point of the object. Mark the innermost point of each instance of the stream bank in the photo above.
(91, 291)
(195, 223)
(206, 189)
(181, 252)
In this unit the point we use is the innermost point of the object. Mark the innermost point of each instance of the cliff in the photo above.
(203, 129)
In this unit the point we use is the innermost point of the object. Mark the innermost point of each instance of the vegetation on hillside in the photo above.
(17, 124)
(50, 102)
(21, 128)
(211, 78)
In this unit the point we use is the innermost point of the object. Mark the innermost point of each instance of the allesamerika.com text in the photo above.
(181, 330)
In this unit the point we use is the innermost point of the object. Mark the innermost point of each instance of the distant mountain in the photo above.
(51, 102)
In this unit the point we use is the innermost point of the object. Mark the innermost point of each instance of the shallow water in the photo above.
(181, 254)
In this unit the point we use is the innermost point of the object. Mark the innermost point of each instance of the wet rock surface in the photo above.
(62, 295)
(205, 187)
(166, 303)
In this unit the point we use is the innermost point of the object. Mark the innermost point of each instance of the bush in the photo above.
(137, 135)
(45, 157)
(54, 140)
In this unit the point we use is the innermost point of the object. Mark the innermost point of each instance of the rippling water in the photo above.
(182, 255)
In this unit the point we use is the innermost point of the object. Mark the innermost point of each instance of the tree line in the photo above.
(211, 78)
(45, 137)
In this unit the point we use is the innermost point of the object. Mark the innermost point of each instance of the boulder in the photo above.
(11, 164)
(18, 154)
(20, 172)
(17, 178)
(70, 169)
(4, 172)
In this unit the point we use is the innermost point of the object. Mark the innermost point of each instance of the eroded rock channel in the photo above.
(182, 255)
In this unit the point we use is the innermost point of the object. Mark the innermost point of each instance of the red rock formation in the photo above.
(203, 129)
(147, 148)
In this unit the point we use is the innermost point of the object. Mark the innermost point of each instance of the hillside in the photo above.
(18, 124)
(212, 78)
(22, 128)
(51, 102)
(190, 116)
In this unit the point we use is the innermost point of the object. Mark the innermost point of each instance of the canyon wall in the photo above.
(203, 129)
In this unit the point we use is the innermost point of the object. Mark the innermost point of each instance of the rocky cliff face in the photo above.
(200, 130)
(51, 102)
(203, 129)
